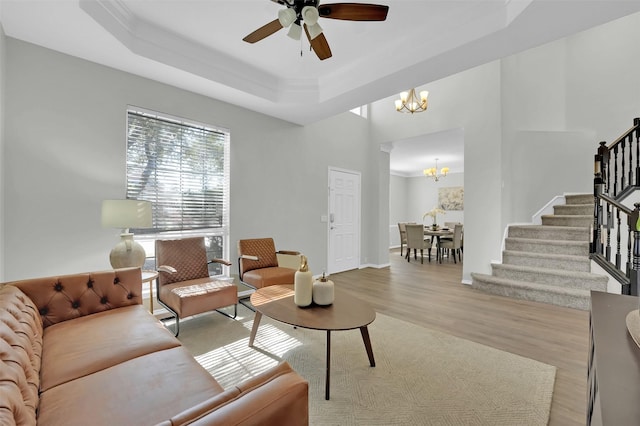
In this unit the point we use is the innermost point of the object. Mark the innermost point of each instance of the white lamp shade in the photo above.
(295, 31)
(310, 15)
(126, 214)
(286, 17)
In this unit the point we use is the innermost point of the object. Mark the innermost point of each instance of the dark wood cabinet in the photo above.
(614, 363)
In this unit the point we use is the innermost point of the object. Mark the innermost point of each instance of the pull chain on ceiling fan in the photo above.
(307, 12)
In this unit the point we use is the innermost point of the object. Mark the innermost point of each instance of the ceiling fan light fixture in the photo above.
(314, 30)
(310, 15)
(286, 17)
(295, 31)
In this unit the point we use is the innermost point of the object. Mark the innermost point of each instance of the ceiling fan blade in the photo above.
(354, 11)
(263, 31)
(319, 45)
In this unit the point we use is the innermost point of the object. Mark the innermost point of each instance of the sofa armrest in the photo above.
(65, 297)
(279, 396)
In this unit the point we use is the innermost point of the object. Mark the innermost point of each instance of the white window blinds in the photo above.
(182, 168)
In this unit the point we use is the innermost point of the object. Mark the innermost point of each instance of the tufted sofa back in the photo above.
(71, 296)
(28, 306)
(20, 356)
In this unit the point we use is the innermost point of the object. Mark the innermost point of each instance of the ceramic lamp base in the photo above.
(127, 253)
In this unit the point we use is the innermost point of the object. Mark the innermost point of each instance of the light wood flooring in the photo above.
(433, 296)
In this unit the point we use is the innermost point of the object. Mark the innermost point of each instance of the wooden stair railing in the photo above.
(611, 217)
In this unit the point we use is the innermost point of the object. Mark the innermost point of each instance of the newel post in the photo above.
(634, 274)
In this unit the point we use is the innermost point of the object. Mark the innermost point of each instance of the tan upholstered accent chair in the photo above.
(417, 241)
(184, 287)
(258, 263)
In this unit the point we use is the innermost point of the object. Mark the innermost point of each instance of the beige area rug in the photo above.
(422, 377)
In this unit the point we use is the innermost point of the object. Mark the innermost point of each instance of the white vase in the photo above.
(323, 291)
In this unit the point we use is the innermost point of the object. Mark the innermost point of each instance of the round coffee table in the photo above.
(346, 313)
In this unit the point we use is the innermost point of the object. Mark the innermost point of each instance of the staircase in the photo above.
(550, 262)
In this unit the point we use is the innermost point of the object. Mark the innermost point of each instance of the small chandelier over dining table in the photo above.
(409, 102)
(434, 173)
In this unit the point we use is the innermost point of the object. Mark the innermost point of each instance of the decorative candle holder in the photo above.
(323, 291)
(303, 284)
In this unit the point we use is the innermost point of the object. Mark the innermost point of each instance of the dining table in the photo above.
(438, 234)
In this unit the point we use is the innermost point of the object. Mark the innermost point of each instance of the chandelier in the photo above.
(434, 173)
(409, 102)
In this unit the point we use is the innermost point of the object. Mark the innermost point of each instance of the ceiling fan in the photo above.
(307, 12)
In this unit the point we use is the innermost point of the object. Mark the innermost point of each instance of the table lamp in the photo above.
(125, 214)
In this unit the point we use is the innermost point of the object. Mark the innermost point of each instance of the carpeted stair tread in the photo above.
(573, 209)
(579, 199)
(569, 297)
(546, 232)
(534, 245)
(567, 220)
(547, 260)
(551, 277)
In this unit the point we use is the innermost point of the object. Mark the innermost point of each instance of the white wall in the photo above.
(468, 100)
(398, 200)
(602, 80)
(411, 197)
(423, 196)
(558, 101)
(64, 148)
(532, 124)
(3, 63)
(65, 152)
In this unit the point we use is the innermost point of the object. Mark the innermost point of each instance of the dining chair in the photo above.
(453, 245)
(402, 228)
(417, 241)
(450, 225)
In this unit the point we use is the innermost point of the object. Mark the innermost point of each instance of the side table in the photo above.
(149, 277)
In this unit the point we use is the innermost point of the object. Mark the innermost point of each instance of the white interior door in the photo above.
(344, 220)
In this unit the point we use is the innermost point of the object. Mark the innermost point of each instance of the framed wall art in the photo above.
(451, 198)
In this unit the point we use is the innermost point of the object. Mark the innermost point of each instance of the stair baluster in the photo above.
(637, 180)
(610, 192)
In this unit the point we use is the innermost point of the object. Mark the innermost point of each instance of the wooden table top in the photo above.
(346, 312)
(438, 233)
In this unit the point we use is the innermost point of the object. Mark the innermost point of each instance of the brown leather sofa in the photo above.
(82, 350)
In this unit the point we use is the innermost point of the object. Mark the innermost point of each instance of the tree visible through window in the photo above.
(182, 168)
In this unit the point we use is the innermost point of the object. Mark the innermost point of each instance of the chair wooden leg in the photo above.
(421, 256)
(401, 247)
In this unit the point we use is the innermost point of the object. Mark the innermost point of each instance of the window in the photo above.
(361, 111)
(183, 169)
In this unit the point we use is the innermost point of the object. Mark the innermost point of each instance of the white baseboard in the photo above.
(371, 265)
